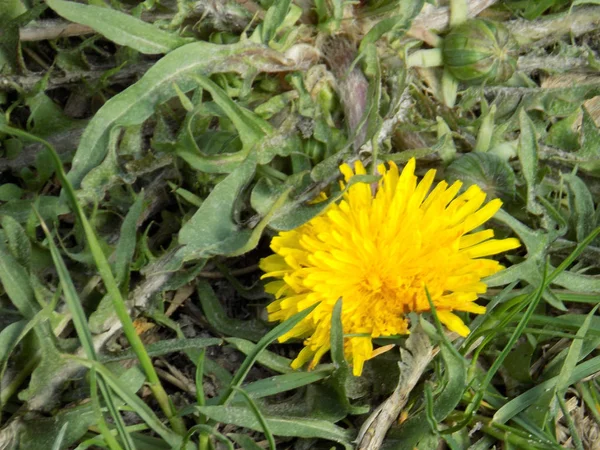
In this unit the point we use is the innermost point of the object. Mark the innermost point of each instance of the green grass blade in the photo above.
(279, 330)
(83, 332)
(259, 416)
(110, 284)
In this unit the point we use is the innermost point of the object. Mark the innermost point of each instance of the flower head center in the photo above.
(373, 283)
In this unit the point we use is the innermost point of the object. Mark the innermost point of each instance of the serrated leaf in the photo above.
(119, 27)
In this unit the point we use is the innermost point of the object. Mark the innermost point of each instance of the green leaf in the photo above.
(265, 428)
(413, 430)
(287, 382)
(48, 207)
(397, 24)
(126, 393)
(9, 337)
(127, 241)
(490, 172)
(17, 285)
(528, 157)
(275, 333)
(119, 27)
(581, 205)
(250, 126)
(545, 406)
(266, 358)
(18, 242)
(590, 143)
(138, 102)
(486, 131)
(10, 192)
(523, 401)
(83, 332)
(244, 441)
(280, 425)
(212, 230)
(274, 18)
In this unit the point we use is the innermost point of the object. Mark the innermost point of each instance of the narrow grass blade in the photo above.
(279, 330)
(259, 416)
(110, 283)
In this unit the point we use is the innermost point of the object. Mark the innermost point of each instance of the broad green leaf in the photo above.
(18, 242)
(486, 131)
(120, 28)
(562, 134)
(48, 207)
(244, 441)
(10, 191)
(212, 230)
(265, 428)
(138, 102)
(280, 425)
(9, 337)
(16, 283)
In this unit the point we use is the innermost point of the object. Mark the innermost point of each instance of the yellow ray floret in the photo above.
(378, 252)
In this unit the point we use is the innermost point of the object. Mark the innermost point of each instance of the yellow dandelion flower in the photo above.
(378, 252)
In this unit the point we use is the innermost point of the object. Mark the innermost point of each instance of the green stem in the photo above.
(271, 172)
(431, 57)
(458, 12)
(9, 390)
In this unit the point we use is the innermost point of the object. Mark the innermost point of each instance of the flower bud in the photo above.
(480, 51)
